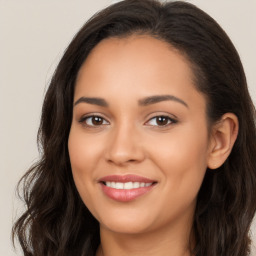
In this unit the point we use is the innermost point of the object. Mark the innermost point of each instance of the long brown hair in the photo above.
(56, 221)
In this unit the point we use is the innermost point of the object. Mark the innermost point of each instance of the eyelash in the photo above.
(84, 119)
(169, 120)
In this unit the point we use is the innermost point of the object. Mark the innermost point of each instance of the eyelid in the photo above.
(91, 115)
(171, 120)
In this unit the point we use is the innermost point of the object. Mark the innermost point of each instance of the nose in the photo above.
(125, 146)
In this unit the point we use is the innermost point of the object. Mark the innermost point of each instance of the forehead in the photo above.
(136, 67)
(134, 52)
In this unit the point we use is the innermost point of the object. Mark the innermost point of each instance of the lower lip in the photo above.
(125, 195)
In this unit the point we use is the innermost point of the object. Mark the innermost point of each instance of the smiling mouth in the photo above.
(126, 188)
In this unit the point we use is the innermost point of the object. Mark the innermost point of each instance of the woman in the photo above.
(148, 141)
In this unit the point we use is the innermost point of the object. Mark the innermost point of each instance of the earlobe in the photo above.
(223, 137)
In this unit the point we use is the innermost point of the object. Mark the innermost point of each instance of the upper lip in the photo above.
(126, 178)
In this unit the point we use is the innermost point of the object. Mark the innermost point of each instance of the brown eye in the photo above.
(96, 120)
(161, 121)
(93, 121)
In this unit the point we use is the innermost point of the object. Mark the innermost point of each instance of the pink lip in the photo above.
(126, 178)
(125, 195)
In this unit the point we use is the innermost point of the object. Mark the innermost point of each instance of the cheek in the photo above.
(181, 148)
(83, 155)
(182, 162)
(182, 157)
(83, 152)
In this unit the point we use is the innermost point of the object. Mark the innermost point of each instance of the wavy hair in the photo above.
(56, 221)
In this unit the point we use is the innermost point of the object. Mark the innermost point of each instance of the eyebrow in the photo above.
(159, 98)
(95, 101)
(142, 102)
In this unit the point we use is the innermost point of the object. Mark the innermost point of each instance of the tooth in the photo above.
(119, 185)
(136, 185)
(128, 185)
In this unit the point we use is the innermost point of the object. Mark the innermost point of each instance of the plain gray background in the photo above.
(33, 36)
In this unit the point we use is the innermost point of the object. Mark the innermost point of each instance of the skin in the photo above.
(129, 140)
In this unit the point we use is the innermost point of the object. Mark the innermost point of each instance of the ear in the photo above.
(223, 137)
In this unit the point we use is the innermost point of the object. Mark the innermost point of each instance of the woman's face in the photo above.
(139, 142)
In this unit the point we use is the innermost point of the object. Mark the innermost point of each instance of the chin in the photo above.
(127, 224)
(122, 228)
